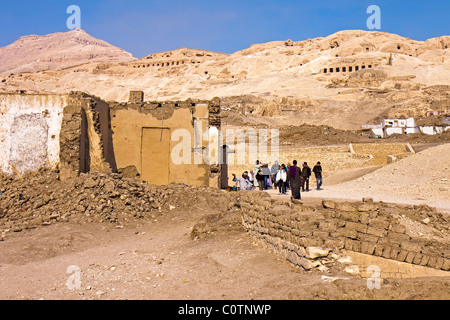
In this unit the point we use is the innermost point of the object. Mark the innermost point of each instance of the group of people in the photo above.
(283, 177)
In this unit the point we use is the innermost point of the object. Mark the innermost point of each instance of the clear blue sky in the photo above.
(144, 27)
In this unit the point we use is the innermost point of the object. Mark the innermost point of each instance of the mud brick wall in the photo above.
(308, 236)
(380, 152)
(85, 137)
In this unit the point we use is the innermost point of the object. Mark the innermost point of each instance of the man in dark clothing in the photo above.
(260, 179)
(318, 172)
(295, 181)
(306, 175)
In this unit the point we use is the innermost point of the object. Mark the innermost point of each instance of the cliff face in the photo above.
(56, 51)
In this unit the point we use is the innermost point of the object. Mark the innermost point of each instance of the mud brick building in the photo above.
(79, 133)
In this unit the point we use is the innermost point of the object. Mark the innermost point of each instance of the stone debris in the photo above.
(42, 199)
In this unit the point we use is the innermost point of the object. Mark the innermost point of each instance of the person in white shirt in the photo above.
(244, 183)
(282, 179)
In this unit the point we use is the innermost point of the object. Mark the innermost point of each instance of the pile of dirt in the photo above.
(41, 199)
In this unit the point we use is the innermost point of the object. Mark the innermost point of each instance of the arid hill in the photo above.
(344, 80)
(56, 51)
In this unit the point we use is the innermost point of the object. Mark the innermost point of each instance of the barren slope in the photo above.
(284, 80)
(56, 51)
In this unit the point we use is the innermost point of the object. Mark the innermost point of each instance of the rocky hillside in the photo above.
(56, 51)
(344, 80)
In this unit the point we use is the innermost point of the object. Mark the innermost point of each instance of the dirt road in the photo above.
(160, 260)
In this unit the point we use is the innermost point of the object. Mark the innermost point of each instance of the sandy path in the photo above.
(423, 178)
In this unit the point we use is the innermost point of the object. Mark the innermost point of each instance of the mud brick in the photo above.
(432, 262)
(384, 241)
(399, 228)
(327, 226)
(410, 257)
(364, 219)
(398, 238)
(440, 263)
(304, 233)
(352, 234)
(334, 243)
(371, 249)
(321, 234)
(364, 247)
(424, 260)
(376, 231)
(350, 216)
(367, 237)
(387, 253)
(394, 253)
(346, 207)
(412, 246)
(348, 244)
(339, 223)
(367, 207)
(306, 242)
(356, 246)
(446, 265)
(417, 259)
(304, 225)
(379, 223)
(328, 204)
(378, 250)
(356, 226)
(402, 255)
(373, 215)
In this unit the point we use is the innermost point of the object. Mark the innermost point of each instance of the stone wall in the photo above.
(310, 237)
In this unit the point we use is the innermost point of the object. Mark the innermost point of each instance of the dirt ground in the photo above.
(193, 248)
(159, 260)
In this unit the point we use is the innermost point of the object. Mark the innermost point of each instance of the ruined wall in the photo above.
(309, 237)
(142, 137)
(85, 139)
(29, 131)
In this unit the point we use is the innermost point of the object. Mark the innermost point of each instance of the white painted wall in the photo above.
(47, 108)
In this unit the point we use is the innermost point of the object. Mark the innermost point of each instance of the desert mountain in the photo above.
(343, 80)
(57, 51)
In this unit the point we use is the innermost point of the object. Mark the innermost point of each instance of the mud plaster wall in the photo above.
(29, 131)
(307, 237)
(85, 139)
(141, 129)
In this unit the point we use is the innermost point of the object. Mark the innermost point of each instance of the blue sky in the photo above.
(145, 27)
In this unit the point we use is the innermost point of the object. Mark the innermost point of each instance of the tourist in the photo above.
(274, 170)
(257, 168)
(318, 173)
(295, 178)
(251, 177)
(306, 175)
(260, 179)
(266, 173)
(282, 179)
(244, 183)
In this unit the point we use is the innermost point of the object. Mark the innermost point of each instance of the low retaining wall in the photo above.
(311, 237)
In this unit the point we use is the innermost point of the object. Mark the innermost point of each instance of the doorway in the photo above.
(155, 152)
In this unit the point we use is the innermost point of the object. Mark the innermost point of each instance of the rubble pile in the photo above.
(41, 199)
